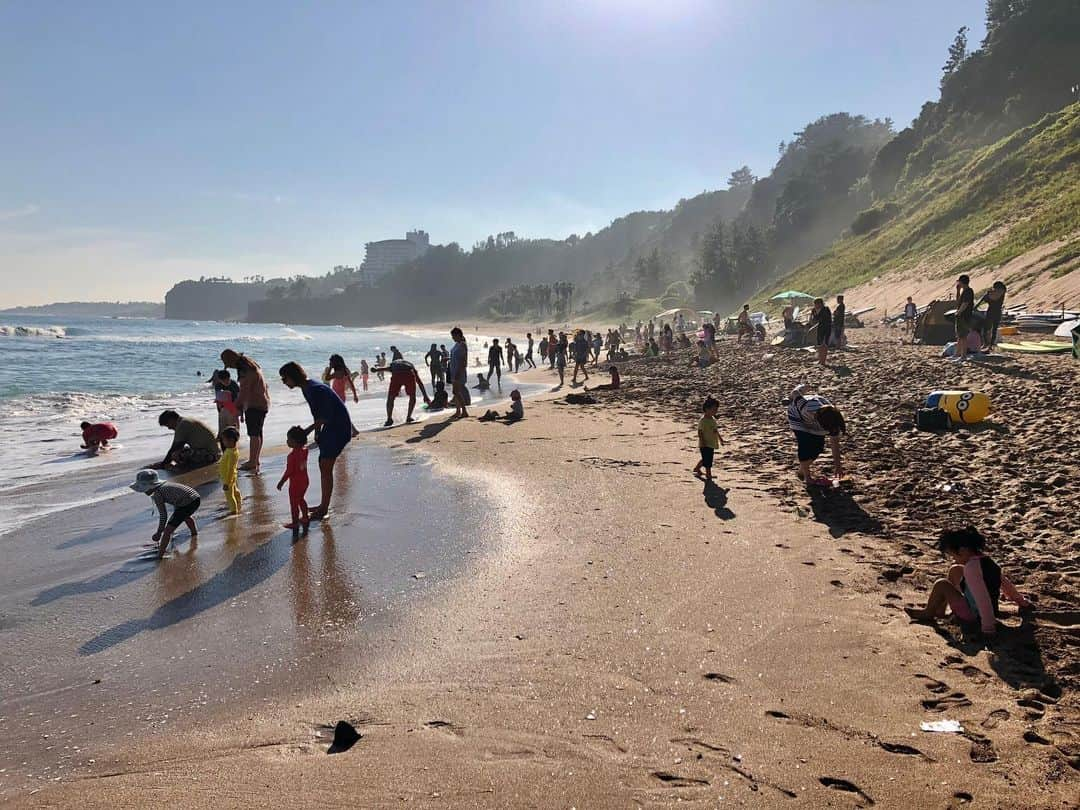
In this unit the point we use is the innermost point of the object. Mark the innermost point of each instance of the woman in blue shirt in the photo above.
(332, 426)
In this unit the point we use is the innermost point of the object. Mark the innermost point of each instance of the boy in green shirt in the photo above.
(709, 440)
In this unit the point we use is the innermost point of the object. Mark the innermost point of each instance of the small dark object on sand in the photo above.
(580, 399)
(345, 737)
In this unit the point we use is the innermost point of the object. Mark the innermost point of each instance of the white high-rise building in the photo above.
(386, 255)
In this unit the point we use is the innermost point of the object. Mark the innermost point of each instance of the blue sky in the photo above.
(144, 143)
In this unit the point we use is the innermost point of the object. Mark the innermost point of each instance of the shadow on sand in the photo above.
(429, 431)
(716, 499)
(838, 510)
(243, 573)
(1016, 655)
(130, 571)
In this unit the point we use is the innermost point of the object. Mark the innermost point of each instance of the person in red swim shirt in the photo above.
(97, 436)
(297, 476)
(403, 374)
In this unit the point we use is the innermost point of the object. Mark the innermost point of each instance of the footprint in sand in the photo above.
(445, 727)
(976, 674)
(954, 701)
(606, 742)
(718, 676)
(1035, 709)
(982, 750)
(673, 780)
(901, 748)
(845, 786)
(994, 718)
(932, 684)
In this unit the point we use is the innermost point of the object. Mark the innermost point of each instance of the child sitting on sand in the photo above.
(297, 475)
(481, 383)
(96, 437)
(184, 500)
(227, 467)
(517, 409)
(974, 584)
(709, 440)
(515, 414)
(611, 386)
(440, 399)
(704, 356)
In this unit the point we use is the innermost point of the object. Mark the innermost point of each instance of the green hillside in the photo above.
(1028, 183)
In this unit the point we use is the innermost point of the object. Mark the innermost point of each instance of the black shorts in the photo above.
(182, 513)
(963, 328)
(707, 454)
(823, 332)
(254, 417)
(810, 445)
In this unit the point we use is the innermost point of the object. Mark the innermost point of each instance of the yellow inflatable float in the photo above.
(966, 407)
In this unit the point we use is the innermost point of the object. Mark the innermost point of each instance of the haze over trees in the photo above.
(842, 175)
(999, 152)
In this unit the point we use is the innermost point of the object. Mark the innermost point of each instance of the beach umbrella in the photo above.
(792, 295)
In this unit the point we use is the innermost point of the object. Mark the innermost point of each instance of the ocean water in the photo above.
(55, 373)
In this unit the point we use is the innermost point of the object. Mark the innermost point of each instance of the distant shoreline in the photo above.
(91, 309)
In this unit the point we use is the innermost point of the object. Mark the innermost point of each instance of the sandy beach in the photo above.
(625, 635)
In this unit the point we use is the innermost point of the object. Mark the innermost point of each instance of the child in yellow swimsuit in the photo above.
(230, 461)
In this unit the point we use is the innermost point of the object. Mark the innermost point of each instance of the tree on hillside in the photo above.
(741, 177)
(815, 171)
(957, 53)
(999, 12)
(648, 271)
(1026, 67)
(749, 256)
(299, 288)
(713, 277)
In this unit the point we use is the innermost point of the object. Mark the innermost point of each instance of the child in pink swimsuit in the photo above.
(340, 378)
(973, 587)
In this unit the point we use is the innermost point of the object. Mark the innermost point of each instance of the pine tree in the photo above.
(957, 52)
(741, 177)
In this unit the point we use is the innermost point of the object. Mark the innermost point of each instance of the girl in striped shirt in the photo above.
(184, 500)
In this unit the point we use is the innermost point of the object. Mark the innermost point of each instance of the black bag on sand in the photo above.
(580, 399)
(932, 419)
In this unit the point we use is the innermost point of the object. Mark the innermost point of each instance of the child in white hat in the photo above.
(184, 500)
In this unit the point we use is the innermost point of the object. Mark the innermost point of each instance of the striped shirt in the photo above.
(173, 494)
(802, 412)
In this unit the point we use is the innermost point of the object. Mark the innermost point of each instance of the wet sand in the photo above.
(629, 636)
(107, 648)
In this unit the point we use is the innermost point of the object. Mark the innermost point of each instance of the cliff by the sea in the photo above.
(212, 300)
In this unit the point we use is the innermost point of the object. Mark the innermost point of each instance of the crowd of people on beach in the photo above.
(247, 402)
(971, 589)
(243, 402)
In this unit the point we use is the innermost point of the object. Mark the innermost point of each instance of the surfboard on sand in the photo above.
(1036, 348)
